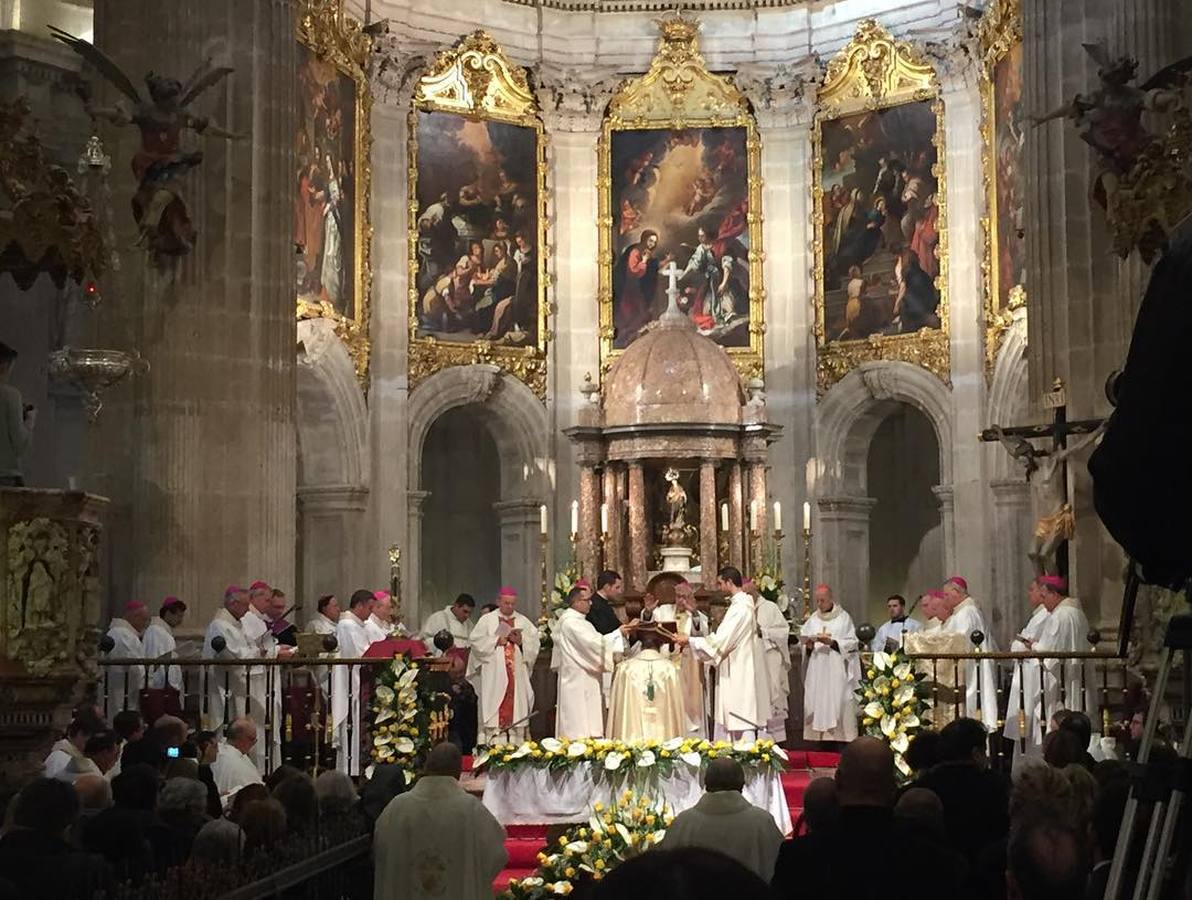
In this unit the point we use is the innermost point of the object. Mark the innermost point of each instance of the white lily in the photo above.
(553, 745)
(900, 743)
(576, 749)
(407, 678)
(404, 745)
(744, 746)
(911, 721)
(521, 752)
(613, 761)
(385, 694)
(904, 695)
(889, 726)
(578, 847)
(532, 882)
(480, 760)
(624, 833)
(673, 744)
(874, 710)
(881, 661)
(779, 752)
(658, 835)
(901, 764)
(691, 757)
(902, 671)
(385, 715)
(646, 759)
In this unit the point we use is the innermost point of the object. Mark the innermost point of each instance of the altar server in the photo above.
(583, 656)
(889, 635)
(504, 649)
(455, 619)
(125, 682)
(353, 638)
(980, 682)
(159, 641)
(690, 623)
(735, 649)
(1025, 683)
(832, 671)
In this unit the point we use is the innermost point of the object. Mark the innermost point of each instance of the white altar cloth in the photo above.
(532, 796)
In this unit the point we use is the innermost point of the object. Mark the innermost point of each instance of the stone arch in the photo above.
(1008, 392)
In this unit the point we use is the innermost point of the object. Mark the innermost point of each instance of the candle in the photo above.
(806, 516)
(753, 515)
(542, 519)
(777, 516)
(724, 517)
(574, 518)
(604, 518)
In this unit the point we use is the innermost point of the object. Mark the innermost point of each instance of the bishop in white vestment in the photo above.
(379, 623)
(735, 649)
(1025, 683)
(691, 623)
(504, 650)
(159, 641)
(354, 638)
(264, 682)
(1067, 683)
(582, 657)
(455, 619)
(125, 682)
(831, 671)
(227, 689)
(980, 680)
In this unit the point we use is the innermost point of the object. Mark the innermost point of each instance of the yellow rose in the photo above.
(871, 674)
(867, 721)
(596, 876)
(598, 865)
(650, 820)
(894, 682)
(599, 807)
(563, 840)
(569, 872)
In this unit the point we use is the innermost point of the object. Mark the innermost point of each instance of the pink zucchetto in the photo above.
(583, 583)
(133, 606)
(260, 586)
(507, 592)
(232, 589)
(937, 594)
(823, 587)
(1054, 582)
(380, 595)
(959, 582)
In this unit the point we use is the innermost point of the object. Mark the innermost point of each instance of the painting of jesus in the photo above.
(680, 196)
(1009, 139)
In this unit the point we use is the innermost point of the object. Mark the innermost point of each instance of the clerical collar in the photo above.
(898, 620)
(830, 614)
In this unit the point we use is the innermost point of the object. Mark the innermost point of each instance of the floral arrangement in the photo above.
(894, 697)
(404, 717)
(555, 603)
(621, 759)
(769, 581)
(588, 852)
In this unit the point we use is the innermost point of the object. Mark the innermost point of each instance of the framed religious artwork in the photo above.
(330, 182)
(680, 197)
(477, 217)
(1003, 136)
(880, 237)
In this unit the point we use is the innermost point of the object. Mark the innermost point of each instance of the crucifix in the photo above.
(1047, 474)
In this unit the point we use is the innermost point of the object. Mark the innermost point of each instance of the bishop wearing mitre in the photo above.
(582, 657)
(735, 650)
(831, 673)
(689, 622)
(1025, 683)
(965, 618)
(647, 692)
(504, 649)
(1067, 683)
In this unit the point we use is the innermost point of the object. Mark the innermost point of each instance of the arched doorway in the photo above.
(906, 549)
(461, 475)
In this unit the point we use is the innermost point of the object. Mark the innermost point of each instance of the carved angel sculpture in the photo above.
(158, 206)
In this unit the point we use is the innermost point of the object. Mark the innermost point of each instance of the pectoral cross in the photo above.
(672, 273)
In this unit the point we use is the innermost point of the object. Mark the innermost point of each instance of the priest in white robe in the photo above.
(690, 622)
(582, 657)
(831, 671)
(379, 623)
(735, 650)
(125, 682)
(159, 641)
(227, 688)
(776, 639)
(353, 637)
(504, 650)
(323, 622)
(1067, 683)
(980, 679)
(455, 619)
(264, 682)
(437, 840)
(1028, 733)
(646, 701)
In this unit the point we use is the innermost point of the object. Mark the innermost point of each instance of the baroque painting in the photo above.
(879, 228)
(477, 230)
(1008, 141)
(681, 197)
(325, 185)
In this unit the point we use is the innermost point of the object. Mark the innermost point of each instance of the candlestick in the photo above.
(543, 540)
(724, 516)
(604, 518)
(806, 569)
(777, 517)
(574, 520)
(806, 516)
(542, 520)
(574, 563)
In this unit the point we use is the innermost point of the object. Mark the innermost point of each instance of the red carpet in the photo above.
(525, 842)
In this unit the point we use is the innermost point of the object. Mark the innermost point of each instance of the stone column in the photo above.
(638, 539)
(1011, 568)
(844, 527)
(736, 514)
(613, 542)
(412, 555)
(945, 496)
(709, 564)
(756, 531)
(200, 454)
(520, 550)
(589, 521)
(330, 520)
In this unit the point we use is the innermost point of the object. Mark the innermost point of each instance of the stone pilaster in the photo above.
(330, 519)
(520, 548)
(843, 527)
(1011, 568)
(708, 522)
(589, 521)
(736, 515)
(638, 539)
(412, 556)
(200, 458)
(945, 497)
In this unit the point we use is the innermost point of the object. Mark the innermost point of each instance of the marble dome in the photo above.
(673, 375)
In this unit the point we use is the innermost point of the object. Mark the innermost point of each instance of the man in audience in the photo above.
(129, 726)
(129, 835)
(100, 754)
(297, 797)
(182, 807)
(71, 747)
(1045, 862)
(335, 793)
(725, 821)
(95, 795)
(35, 857)
(437, 840)
(124, 683)
(233, 767)
(159, 641)
(975, 799)
(455, 619)
(821, 807)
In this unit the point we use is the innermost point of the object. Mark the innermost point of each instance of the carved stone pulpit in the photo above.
(49, 619)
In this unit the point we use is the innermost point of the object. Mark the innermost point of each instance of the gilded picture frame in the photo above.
(473, 87)
(875, 76)
(681, 101)
(330, 40)
(1000, 40)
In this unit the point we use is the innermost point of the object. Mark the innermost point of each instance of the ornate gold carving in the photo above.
(329, 33)
(474, 78)
(875, 71)
(999, 32)
(679, 92)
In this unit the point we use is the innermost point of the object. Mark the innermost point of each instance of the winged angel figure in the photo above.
(158, 206)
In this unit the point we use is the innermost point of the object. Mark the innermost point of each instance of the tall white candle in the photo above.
(806, 516)
(724, 517)
(753, 515)
(604, 518)
(574, 518)
(542, 519)
(777, 516)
